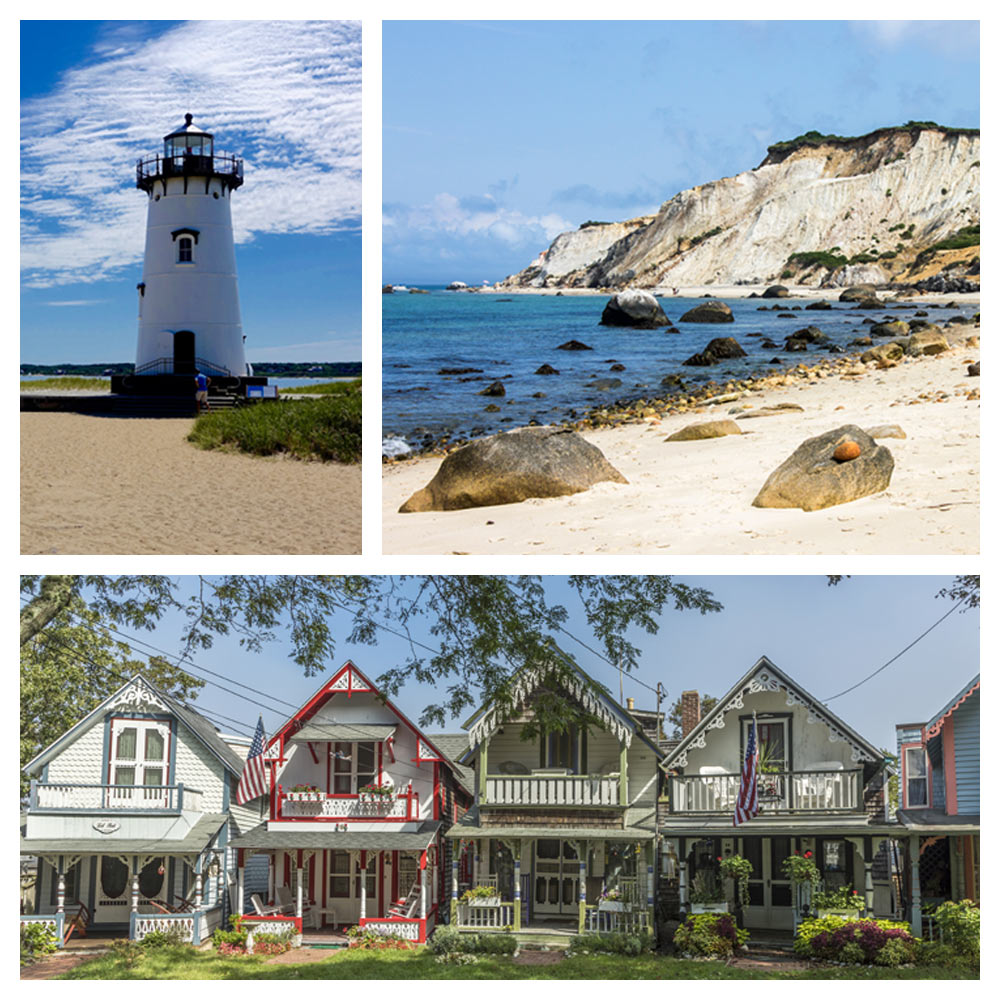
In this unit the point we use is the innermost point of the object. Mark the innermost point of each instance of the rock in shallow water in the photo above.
(636, 308)
(810, 479)
(709, 312)
(509, 468)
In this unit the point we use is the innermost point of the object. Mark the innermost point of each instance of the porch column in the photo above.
(198, 883)
(623, 774)
(240, 863)
(272, 867)
(482, 771)
(364, 884)
(60, 886)
(869, 884)
(298, 885)
(135, 888)
(682, 885)
(517, 885)
(456, 851)
(650, 883)
(916, 919)
(423, 890)
(582, 889)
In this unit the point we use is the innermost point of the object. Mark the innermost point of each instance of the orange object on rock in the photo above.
(846, 451)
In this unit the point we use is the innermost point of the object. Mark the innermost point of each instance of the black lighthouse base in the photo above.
(183, 385)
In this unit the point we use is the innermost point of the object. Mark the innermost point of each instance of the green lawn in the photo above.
(186, 963)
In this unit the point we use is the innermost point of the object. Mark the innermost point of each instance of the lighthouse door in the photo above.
(183, 352)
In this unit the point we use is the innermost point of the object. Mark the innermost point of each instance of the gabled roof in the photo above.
(591, 693)
(934, 726)
(765, 676)
(134, 694)
(351, 680)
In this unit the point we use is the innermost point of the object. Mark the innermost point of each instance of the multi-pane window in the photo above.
(340, 874)
(566, 749)
(185, 250)
(916, 777)
(139, 753)
(354, 766)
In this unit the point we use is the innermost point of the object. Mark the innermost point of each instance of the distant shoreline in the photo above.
(275, 369)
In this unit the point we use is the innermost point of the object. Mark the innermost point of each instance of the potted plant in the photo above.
(375, 794)
(611, 900)
(304, 793)
(706, 894)
(770, 765)
(842, 902)
(481, 895)
(801, 870)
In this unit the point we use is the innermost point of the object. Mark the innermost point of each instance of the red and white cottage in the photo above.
(359, 799)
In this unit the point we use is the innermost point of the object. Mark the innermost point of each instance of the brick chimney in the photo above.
(690, 711)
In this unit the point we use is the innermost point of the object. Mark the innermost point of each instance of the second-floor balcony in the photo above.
(74, 798)
(552, 788)
(779, 792)
(402, 807)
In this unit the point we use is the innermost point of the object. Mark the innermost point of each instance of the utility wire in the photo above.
(864, 680)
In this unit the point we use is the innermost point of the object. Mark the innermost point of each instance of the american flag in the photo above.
(253, 782)
(746, 801)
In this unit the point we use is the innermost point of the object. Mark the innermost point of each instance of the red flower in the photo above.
(795, 852)
(855, 892)
(808, 854)
(719, 858)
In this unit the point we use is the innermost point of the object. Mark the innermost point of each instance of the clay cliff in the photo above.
(818, 210)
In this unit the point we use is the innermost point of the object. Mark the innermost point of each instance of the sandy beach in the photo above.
(695, 497)
(115, 486)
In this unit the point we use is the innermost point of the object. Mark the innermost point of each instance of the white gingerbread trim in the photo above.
(137, 695)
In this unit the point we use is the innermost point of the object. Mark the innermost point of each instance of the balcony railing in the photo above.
(403, 807)
(52, 797)
(785, 791)
(154, 168)
(552, 789)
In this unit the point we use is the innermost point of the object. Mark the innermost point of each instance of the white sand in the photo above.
(695, 497)
(120, 485)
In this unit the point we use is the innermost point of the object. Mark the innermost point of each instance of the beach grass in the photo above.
(326, 429)
(78, 382)
(320, 388)
(420, 964)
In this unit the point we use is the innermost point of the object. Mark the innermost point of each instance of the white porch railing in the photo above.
(86, 798)
(787, 791)
(401, 808)
(493, 916)
(53, 921)
(552, 789)
(167, 923)
(626, 921)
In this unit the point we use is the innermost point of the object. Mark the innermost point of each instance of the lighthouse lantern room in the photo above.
(188, 299)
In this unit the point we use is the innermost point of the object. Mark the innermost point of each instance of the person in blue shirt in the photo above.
(202, 383)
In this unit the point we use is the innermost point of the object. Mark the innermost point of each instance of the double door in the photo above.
(556, 879)
(113, 892)
(772, 896)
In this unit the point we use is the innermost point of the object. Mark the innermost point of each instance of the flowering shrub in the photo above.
(840, 939)
(844, 898)
(235, 940)
(713, 934)
(960, 926)
(37, 939)
(615, 944)
(740, 870)
(230, 950)
(447, 940)
(612, 895)
(369, 940)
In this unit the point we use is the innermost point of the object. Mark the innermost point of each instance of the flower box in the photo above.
(722, 907)
(485, 901)
(611, 905)
(848, 914)
(305, 796)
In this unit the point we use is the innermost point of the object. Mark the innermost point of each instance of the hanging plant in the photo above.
(739, 869)
(801, 869)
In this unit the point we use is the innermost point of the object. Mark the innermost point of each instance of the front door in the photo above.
(113, 895)
(771, 893)
(556, 879)
(183, 352)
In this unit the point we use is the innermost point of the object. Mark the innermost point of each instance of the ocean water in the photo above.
(507, 337)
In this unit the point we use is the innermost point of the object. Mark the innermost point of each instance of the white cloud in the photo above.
(76, 302)
(284, 95)
(447, 215)
(952, 37)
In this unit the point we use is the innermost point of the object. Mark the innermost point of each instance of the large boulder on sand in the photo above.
(929, 340)
(811, 479)
(856, 293)
(509, 468)
(775, 292)
(884, 352)
(892, 328)
(708, 429)
(712, 311)
(634, 307)
(716, 350)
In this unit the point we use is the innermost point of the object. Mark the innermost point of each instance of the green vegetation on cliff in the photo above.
(814, 138)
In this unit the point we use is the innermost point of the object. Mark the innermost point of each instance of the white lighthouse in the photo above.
(189, 308)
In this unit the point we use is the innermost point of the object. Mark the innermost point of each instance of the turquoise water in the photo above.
(508, 337)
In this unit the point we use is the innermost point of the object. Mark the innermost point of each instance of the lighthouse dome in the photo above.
(188, 140)
(189, 152)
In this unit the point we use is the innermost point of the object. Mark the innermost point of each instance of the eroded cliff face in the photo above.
(888, 193)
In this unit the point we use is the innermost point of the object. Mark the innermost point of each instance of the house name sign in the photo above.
(107, 826)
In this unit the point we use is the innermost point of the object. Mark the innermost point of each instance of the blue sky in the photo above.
(497, 136)
(826, 638)
(286, 96)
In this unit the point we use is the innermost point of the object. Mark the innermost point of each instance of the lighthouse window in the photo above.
(185, 248)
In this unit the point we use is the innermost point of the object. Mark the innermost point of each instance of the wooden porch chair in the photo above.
(261, 909)
(286, 902)
(77, 923)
